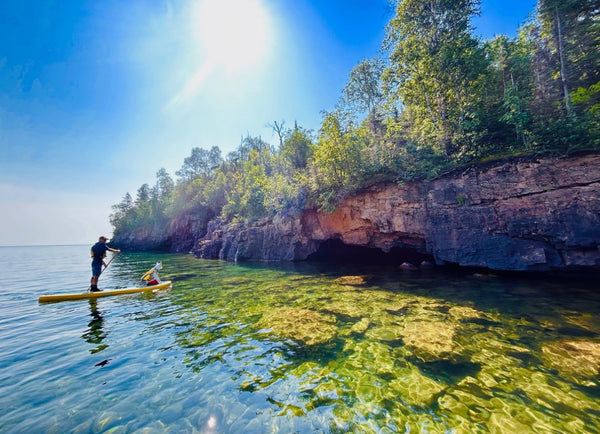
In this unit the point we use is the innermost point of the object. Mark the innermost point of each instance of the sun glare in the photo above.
(231, 36)
(232, 33)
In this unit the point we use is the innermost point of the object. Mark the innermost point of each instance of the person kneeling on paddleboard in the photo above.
(98, 252)
(151, 277)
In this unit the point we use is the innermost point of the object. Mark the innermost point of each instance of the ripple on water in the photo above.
(265, 348)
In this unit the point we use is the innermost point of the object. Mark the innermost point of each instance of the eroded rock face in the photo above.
(520, 214)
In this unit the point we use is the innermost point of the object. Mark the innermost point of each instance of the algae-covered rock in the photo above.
(237, 280)
(553, 397)
(414, 388)
(346, 307)
(500, 422)
(586, 321)
(465, 312)
(574, 358)
(352, 280)
(300, 325)
(386, 333)
(429, 340)
(377, 356)
(361, 326)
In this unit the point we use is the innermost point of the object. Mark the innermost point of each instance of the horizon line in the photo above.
(42, 245)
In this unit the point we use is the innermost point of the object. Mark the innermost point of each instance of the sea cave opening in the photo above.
(336, 251)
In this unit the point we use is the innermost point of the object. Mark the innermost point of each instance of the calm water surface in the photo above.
(291, 348)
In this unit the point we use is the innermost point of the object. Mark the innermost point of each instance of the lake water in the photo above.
(257, 348)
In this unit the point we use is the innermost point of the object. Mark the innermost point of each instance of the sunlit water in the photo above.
(288, 348)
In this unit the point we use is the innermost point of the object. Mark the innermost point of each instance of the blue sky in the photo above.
(97, 96)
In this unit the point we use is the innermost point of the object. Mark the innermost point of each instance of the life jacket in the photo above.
(97, 252)
(151, 277)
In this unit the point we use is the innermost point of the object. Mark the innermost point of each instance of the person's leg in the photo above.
(96, 270)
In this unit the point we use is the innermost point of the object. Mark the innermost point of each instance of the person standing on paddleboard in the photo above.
(98, 252)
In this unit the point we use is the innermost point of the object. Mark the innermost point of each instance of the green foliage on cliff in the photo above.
(442, 98)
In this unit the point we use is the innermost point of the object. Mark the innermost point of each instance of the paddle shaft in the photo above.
(111, 259)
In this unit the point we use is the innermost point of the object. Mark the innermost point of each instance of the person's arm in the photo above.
(110, 250)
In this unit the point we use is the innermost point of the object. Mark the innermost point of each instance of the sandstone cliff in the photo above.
(517, 214)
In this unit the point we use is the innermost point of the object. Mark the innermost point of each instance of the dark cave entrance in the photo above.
(335, 251)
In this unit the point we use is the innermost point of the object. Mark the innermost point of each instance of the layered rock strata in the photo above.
(519, 214)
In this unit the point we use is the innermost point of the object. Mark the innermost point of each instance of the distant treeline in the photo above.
(440, 99)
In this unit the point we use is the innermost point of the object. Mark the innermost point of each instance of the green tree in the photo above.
(571, 29)
(508, 93)
(566, 36)
(164, 184)
(120, 218)
(143, 194)
(201, 163)
(363, 93)
(337, 166)
(437, 71)
(246, 197)
(297, 147)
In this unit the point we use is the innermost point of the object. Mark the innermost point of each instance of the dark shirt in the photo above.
(99, 250)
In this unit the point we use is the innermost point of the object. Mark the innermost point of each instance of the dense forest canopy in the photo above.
(440, 99)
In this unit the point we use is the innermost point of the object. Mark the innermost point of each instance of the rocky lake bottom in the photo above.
(294, 347)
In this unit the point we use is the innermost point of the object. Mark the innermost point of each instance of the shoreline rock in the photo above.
(517, 214)
(534, 214)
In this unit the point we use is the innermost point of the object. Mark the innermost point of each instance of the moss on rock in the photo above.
(429, 340)
(579, 360)
(415, 388)
(352, 280)
(300, 325)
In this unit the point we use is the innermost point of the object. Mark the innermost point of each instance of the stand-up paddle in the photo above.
(111, 259)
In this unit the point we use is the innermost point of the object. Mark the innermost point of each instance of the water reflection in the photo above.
(95, 334)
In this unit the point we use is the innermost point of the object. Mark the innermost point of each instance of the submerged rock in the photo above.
(345, 307)
(586, 321)
(407, 266)
(415, 388)
(387, 333)
(300, 325)
(578, 359)
(430, 340)
(465, 312)
(361, 326)
(237, 280)
(352, 280)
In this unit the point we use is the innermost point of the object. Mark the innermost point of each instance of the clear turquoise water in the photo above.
(288, 348)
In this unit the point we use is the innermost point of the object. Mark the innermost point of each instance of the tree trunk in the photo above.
(561, 55)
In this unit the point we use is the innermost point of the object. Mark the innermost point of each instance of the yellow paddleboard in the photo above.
(87, 295)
